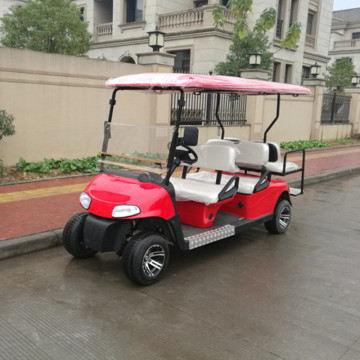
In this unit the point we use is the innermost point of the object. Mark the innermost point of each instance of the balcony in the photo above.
(104, 30)
(199, 18)
(347, 45)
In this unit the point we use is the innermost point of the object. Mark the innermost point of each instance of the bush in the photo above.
(303, 144)
(7, 127)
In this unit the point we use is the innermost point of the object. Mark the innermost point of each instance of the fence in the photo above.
(200, 109)
(335, 108)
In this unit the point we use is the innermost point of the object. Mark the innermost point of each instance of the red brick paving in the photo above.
(26, 217)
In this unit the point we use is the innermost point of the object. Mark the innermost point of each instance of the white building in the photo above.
(120, 32)
(345, 36)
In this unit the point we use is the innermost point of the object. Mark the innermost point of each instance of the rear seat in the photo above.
(204, 188)
(254, 155)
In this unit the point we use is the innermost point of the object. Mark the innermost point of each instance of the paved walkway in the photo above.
(41, 207)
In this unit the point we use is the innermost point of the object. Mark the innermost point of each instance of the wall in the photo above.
(60, 103)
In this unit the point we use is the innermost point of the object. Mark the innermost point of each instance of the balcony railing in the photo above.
(195, 18)
(182, 19)
(104, 30)
(347, 45)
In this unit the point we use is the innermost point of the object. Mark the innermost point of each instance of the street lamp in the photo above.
(255, 59)
(355, 79)
(315, 70)
(156, 39)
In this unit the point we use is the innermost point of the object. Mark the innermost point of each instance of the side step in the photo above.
(210, 236)
(295, 191)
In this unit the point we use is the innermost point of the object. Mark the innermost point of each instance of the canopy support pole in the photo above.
(217, 115)
(276, 117)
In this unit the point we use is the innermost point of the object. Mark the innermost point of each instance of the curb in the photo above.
(27, 244)
(48, 239)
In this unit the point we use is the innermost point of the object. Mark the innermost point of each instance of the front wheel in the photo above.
(145, 258)
(73, 238)
(281, 219)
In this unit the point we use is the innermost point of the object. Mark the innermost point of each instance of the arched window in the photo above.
(127, 59)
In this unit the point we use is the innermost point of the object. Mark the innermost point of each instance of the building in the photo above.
(120, 30)
(345, 36)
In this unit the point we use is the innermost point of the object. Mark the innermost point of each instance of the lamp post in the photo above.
(355, 79)
(156, 39)
(255, 59)
(315, 70)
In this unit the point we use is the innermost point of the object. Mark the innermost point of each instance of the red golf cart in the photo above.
(162, 191)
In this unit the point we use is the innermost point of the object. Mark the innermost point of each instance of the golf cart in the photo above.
(185, 194)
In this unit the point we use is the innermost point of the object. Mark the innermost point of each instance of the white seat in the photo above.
(215, 157)
(246, 183)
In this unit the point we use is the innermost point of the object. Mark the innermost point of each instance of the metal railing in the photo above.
(200, 109)
(335, 108)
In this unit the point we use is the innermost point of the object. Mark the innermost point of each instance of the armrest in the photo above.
(230, 189)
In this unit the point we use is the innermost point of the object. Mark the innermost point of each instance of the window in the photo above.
(293, 12)
(276, 72)
(82, 13)
(310, 23)
(134, 10)
(288, 74)
(356, 35)
(306, 72)
(280, 20)
(182, 61)
(199, 3)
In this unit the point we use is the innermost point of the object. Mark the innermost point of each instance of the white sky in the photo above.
(346, 4)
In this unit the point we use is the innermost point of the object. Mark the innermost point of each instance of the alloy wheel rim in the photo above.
(284, 218)
(153, 260)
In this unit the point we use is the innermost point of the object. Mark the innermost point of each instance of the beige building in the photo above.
(345, 36)
(120, 32)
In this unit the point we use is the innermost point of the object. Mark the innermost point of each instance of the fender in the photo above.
(107, 191)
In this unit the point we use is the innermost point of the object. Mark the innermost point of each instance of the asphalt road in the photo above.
(256, 296)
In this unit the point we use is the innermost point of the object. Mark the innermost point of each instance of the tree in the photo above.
(7, 128)
(52, 26)
(238, 57)
(245, 41)
(339, 74)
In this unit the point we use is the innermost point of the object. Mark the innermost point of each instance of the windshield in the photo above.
(136, 147)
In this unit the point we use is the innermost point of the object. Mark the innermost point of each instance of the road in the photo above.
(253, 297)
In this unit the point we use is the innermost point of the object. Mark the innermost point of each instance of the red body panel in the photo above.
(107, 191)
(259, 204)
(198, 214)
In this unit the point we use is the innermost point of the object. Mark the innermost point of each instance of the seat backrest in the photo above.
(252, 152)
(216, 157)
(275, 152)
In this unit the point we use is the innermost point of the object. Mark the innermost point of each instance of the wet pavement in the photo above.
(255, 296)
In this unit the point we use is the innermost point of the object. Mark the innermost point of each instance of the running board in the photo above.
(210, 236)
(295, 191)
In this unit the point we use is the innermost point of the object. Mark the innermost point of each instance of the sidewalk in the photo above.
(33, 214)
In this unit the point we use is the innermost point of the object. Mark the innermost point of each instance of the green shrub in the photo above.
(303, 144)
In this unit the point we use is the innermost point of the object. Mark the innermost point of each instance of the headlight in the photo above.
(121, 211)
(85, 200)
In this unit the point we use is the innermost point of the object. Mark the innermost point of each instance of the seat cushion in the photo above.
(278, 167)
(246, 183)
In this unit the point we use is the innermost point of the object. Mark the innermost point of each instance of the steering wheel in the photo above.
(187, 156)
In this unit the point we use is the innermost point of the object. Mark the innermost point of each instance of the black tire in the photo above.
(282, 218)
(145, 258)
(73, 237)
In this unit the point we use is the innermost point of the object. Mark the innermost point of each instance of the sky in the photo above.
(346, 4)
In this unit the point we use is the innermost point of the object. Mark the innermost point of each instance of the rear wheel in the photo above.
(145, 258)
(73, 237)
(281, 219)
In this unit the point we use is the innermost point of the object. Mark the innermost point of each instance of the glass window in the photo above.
(356, 35)
(134, 10)
(310, 22)
(182, 61)
(288, 74)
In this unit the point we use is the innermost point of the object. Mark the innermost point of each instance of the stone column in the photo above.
(317, 91)
(354, 116)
